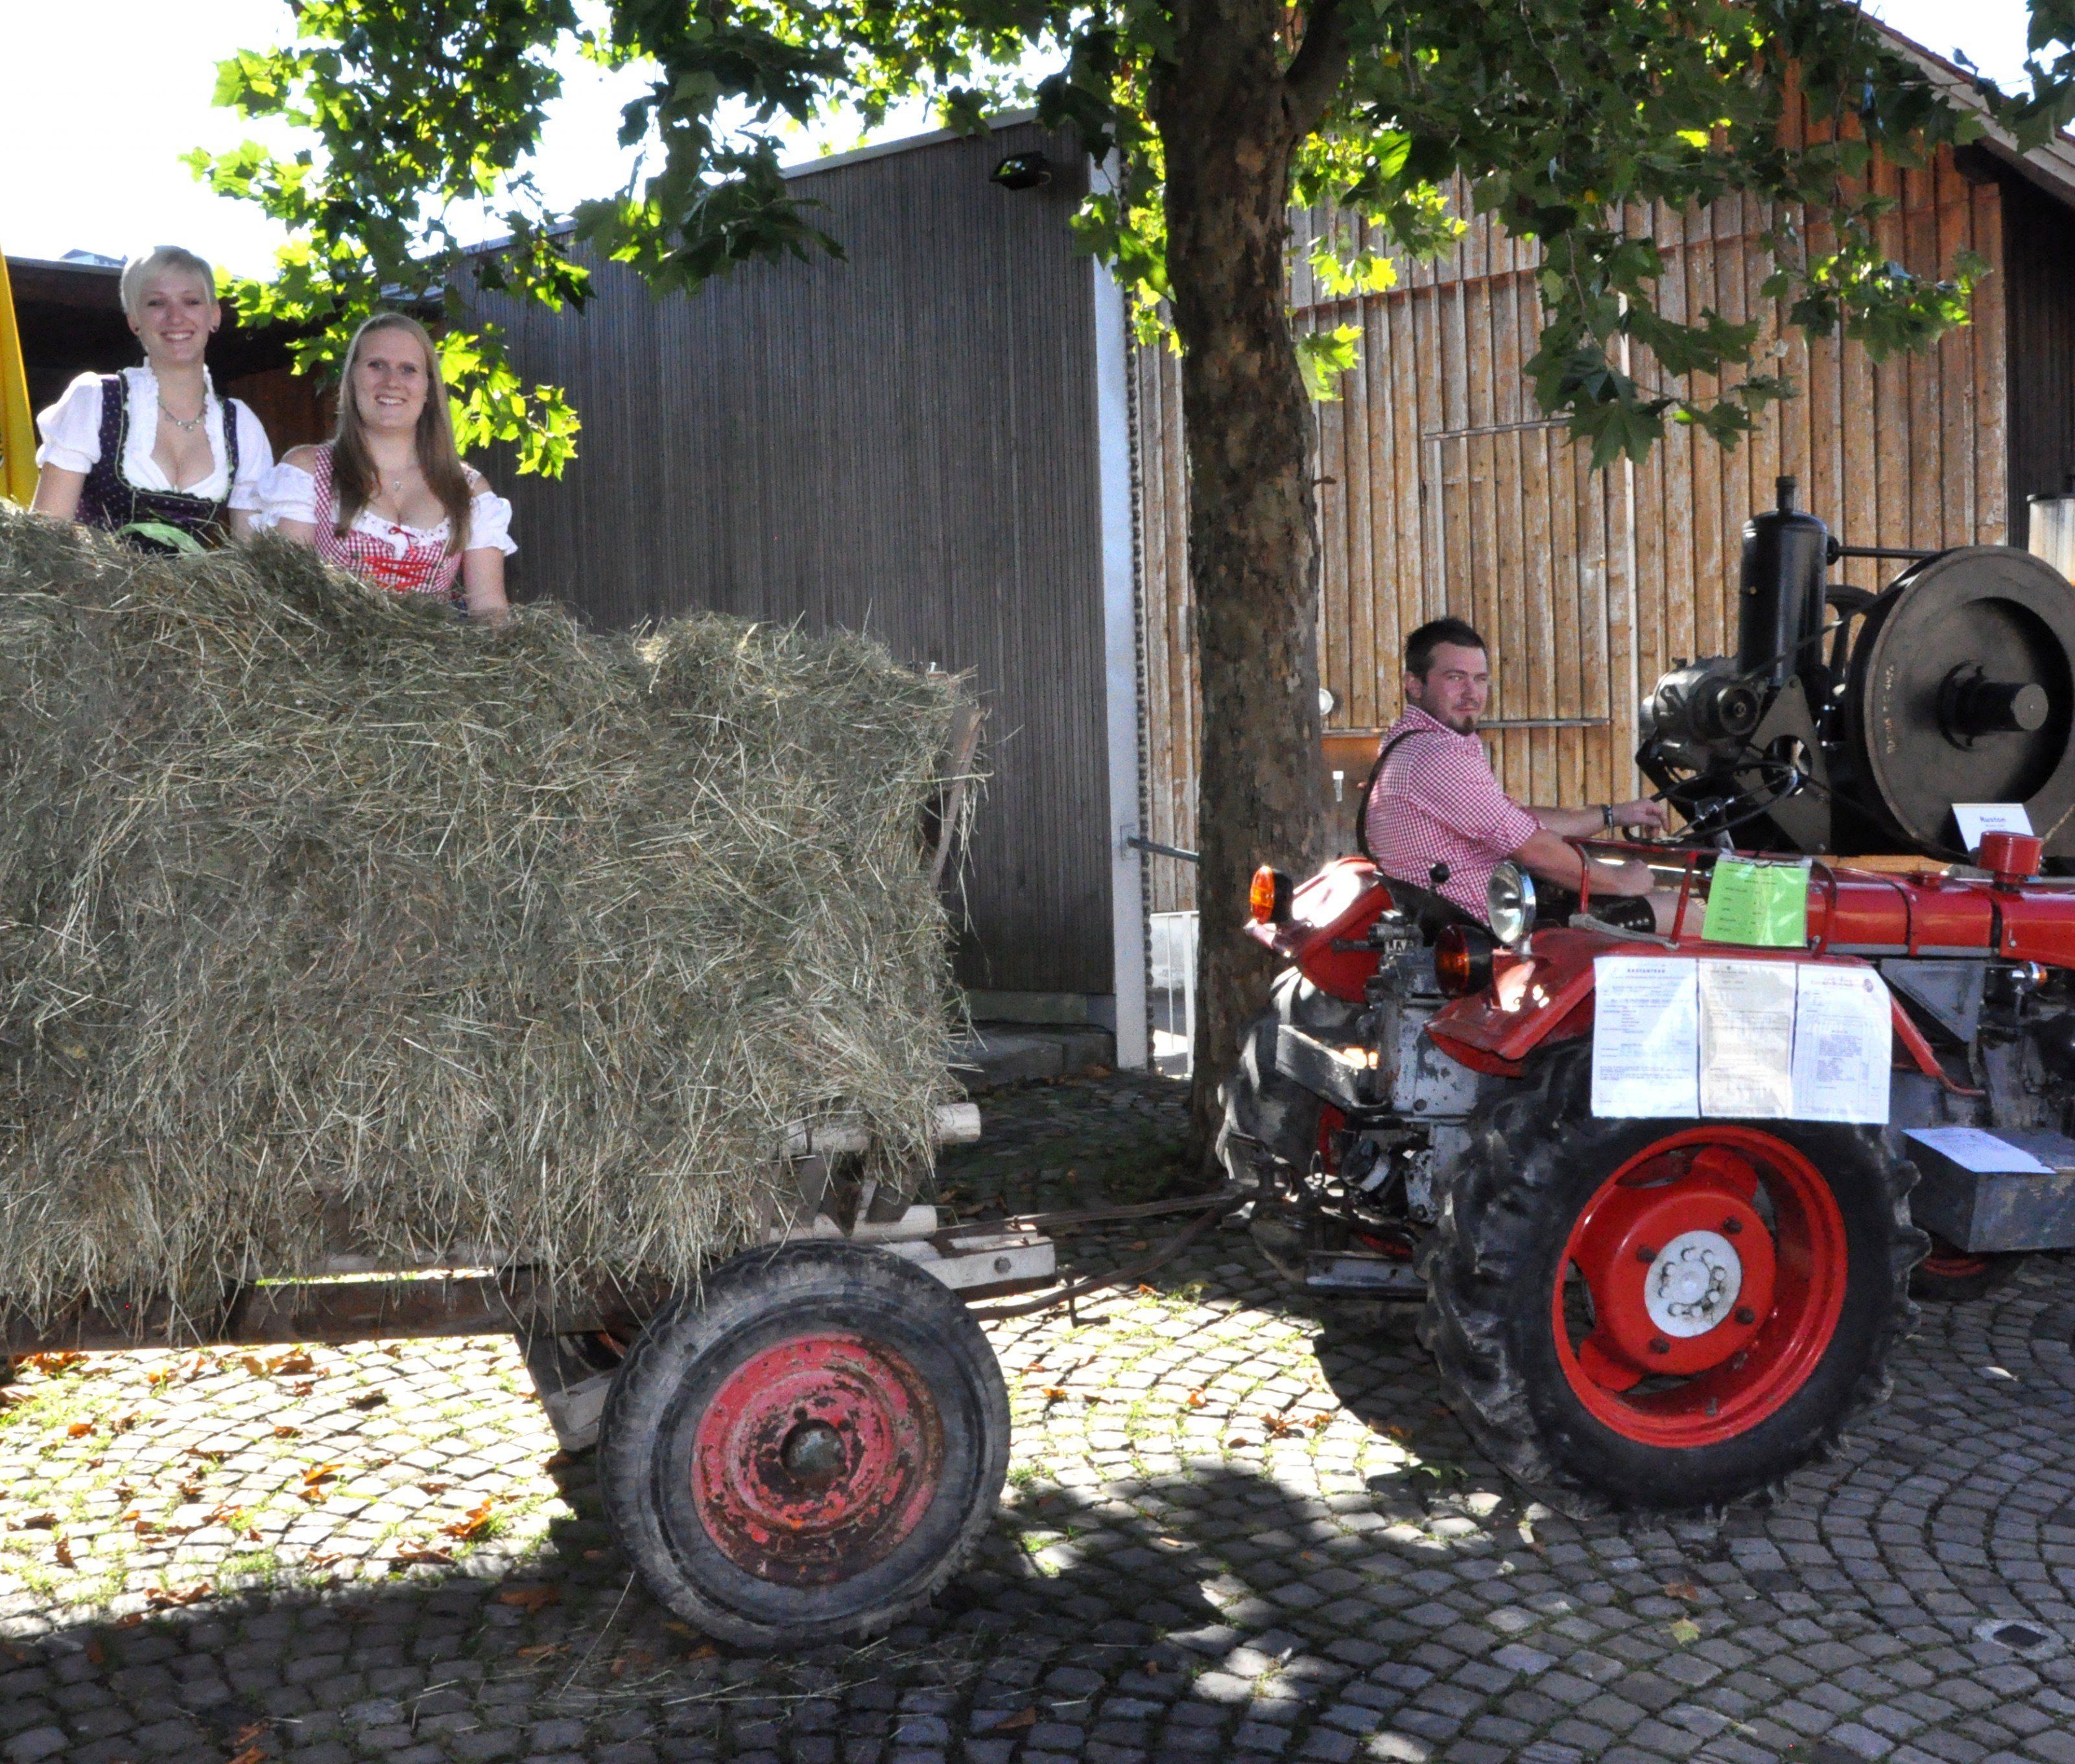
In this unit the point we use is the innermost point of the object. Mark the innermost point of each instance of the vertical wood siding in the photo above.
(902, 443)
(1443, 490)
(2040, 245)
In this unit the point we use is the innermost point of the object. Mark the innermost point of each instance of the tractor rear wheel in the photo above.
(1666, 1313)
(1272, 1125)
(806, 1450)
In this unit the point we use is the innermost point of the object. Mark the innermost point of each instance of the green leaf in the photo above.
(1322, 357)
(159, 533)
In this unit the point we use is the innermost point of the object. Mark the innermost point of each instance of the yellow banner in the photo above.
(18, 433)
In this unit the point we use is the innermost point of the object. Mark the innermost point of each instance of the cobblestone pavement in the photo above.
(1239, 1527)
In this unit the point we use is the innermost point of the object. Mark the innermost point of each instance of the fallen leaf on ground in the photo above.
(1683, 1589)
(543, 1650)
(63, 1550)
(96, 1654)
(167, 1598)
(530, 1598)
(435, 1488)
(252, 1755)
(1051, 1393)
(1026, 1718)
(1685, 1630)
(325, 1560)
(471, 1525)
(374, 1399)
(79, 1430)
(286, 1432)
(37, 1521)
(1195, 1399)
(50, 1364)
(405, 1555)
(252, 1731)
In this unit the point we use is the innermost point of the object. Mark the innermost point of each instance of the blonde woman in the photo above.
(154, 445)
(387, 496)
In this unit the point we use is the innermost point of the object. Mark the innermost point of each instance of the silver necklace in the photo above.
(187, 425)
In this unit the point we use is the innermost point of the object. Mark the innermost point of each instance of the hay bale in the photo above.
(329, 922)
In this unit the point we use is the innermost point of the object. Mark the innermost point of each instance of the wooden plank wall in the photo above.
(1443, 490)
(902, 442)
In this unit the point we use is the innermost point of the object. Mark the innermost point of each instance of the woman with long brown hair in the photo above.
(388, 496)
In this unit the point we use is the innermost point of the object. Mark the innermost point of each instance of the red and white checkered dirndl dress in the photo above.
(406, 560)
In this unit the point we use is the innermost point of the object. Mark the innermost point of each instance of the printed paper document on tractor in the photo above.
(1644, 1036)
(1843, 1038)
(1977, 818)
(1747, 1039)
(1971, 1148)
(1756, 1041)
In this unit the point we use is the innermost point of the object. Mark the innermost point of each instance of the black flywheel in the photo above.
(1962, 689)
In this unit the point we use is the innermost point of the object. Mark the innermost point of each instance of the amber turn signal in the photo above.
(1463, 959)
(1268, 900)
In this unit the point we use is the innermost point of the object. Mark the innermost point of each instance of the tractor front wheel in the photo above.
(806, 1450)
(1666, 1313)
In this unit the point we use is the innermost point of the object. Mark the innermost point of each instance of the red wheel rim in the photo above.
(1706, 1315)
(815, 1459)
(1946, 1263)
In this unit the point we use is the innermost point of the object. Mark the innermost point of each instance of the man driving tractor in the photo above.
(1434, 816)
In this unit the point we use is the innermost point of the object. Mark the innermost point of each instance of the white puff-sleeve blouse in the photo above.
(71, 430)
(289, 493)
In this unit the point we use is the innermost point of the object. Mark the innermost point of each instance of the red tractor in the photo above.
(1674, 1309)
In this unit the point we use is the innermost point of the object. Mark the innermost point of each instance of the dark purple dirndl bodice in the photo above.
(109, 500)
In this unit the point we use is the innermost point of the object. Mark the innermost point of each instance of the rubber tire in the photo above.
(1537, 1156)
(1927, 1283)
(1271, 1122)
(745, 1305)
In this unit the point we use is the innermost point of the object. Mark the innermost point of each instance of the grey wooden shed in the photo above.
(927, 441)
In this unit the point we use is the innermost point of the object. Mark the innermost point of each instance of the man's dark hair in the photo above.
(1420, 646)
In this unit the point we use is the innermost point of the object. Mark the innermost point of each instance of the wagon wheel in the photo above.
(1951, 1276)
(1664, 1313)
(807, 1449)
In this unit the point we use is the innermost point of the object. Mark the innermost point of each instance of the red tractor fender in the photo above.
(1326, 933)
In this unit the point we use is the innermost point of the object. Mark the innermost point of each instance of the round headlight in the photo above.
(1509, 904)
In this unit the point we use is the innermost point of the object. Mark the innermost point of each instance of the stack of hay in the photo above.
(330, 922)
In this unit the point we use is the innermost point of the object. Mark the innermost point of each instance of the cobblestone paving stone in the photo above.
(1239, 1526)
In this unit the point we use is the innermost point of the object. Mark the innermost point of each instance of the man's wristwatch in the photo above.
(1607, 814)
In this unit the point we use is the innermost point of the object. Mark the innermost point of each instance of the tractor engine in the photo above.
(1954, 685)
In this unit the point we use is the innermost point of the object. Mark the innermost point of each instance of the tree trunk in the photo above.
(1224, 115)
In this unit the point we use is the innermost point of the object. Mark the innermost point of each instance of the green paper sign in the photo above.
(1766, 904)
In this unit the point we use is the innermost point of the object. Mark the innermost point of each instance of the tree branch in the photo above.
(1315, 72)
